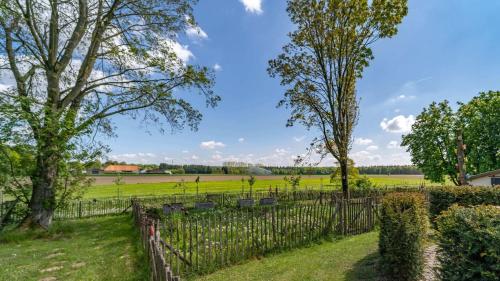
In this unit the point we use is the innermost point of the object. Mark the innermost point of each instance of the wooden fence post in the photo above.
(79, 208)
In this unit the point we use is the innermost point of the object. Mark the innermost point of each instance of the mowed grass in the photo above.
(353, 258)
(164, 188)
(88, 249)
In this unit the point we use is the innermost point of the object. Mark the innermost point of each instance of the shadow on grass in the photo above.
(365, 269)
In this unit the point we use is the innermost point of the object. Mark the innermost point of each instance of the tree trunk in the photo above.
(43, 199)
(345, 183)
(462, 180)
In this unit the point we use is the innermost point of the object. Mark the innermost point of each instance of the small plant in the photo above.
(403, 228)
(251, 182)
(294, 181)
(182, 185)
(242, 185)
(362, 183)
(119, 180)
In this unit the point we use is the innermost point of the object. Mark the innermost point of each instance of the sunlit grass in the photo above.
(154, 189)
(353, 258)
(88, 249)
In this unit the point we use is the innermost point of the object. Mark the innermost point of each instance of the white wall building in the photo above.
(485, 179)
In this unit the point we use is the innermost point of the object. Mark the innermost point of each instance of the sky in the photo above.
(444, 50)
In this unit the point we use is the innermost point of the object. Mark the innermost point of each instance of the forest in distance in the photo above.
(275, 170)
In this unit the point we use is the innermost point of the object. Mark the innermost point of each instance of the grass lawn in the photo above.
(162, 188)
(89, 249)
(352, 258)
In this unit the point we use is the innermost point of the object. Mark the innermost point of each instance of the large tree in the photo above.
(74, 64)
(328, 52)
(480, 119)
(433, 145)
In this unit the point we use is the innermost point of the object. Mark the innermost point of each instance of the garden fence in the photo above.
(153, 246)
(201, 242)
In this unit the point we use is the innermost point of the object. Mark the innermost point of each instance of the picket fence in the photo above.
(199, 242)
(153, 246)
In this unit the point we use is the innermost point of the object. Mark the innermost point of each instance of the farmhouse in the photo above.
(485, 179)
(121, 169)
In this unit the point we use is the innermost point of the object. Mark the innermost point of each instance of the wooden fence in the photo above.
(153, 245)
(201, 242)
(109, 206)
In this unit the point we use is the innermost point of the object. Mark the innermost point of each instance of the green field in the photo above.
(163, 188)
(88, 249)
(352, 259)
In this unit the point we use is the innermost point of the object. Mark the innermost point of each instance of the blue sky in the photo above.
(444, 50)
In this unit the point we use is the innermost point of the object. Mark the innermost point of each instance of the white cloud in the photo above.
(139, 157)
(299, 139)
(365, 158)
(4, 87)
(181, 51)
(195, 32)
(401, 158)
(252, 6)
(217, 157)
(211, 144)
(281, 151)
(372, 147)
(393, 145)
(241, 140)
(194, 157)
(217, 67)
(185, 151)
(362, 141)
(398, 124)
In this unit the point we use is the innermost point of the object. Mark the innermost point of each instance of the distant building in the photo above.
(92, 171)
(121, 169)
(485, 179)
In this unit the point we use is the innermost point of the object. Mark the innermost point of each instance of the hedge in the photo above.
(404, 223)
(443, 197)
(469, 243)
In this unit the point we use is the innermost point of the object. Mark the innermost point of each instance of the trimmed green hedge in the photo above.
(469, 243)
(404, 223)
(443, 197)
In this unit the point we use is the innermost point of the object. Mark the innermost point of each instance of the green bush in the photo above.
(404, 223)
(469, 243)
(443, 197)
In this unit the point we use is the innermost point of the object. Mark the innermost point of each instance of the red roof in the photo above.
(121, 168)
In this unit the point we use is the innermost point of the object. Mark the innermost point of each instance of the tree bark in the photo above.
(344, 176)
(462, 180)
(43, 198)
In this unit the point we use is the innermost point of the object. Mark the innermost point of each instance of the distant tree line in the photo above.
(275, 170)
(390, 170)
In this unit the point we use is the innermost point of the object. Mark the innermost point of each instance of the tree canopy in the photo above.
(432, 142)
(327, 53)
(75, 64)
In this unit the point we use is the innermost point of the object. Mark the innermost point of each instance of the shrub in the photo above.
(403, 228)
(443, 197)
(362, 183)
(469, 242)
